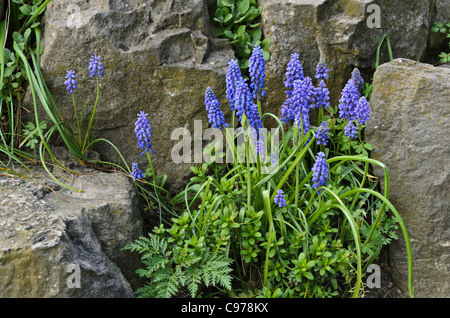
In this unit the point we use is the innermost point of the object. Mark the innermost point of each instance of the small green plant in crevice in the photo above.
(439, 27)
(238, 21)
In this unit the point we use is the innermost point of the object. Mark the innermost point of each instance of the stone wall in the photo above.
(159, 57)
(409, 130)
(55, 242)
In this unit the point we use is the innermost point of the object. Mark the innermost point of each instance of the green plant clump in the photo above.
(238, 21)
(293, 212)
(439, 27)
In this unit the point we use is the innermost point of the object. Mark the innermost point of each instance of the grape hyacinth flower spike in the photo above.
(71, 82)
(357, 78)
(96, 67)
(349, 97)
(322, 71)
(322, 134)
(322, 97)
(136, 173)
(320, 171)
(362, 110)
(215, 114)
(143, 132)
(233, 77)
(351, 131)
(294, 72)
(257, 69)
(280, 198)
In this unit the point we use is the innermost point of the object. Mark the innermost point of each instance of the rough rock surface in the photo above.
(159, 56)
(409, 130)
(46, 229)
(337, 31)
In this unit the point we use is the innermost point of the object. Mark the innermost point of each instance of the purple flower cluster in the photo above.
(322, 71)
(215, 114)
(233, 77)
(280, 198)
(294, 72)
(353, 106)
(136, 173)
(257, 68)
(302, 100)
(95, 67)
(322, 134)
(351, 130)
(322, 95)
(320, 171)
(349, 98)
(362, 110)
(143, 132)
(71, 82)
(357, 78)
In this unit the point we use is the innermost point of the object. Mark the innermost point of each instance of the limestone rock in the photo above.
(159, 56)
(48, 233)
(409, 130)
(337, 32)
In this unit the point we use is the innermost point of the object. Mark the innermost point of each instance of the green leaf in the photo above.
(240, 31)
(227, 3)
(243, 6)
(227, 18)
(265, 44)
(26, 9)
(229, 34)
(256, 36)
(308, 275)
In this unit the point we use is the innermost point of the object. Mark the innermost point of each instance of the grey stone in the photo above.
(409, 130)
(159, 57)
(45, 229)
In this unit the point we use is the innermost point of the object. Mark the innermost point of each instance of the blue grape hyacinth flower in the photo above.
(322, 134)
(280, 198)
(215, 114)
(233, 77)
(257, 69)
(357, 78)
(362, 110)
(294, 72)
(136, 173)
(349, 97)
(322, 97)
(70, 82)
(320, 171)
(96, 67)
(351, 130)
(143, 132)
(322, 71)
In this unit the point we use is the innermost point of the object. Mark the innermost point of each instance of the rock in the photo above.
(409, 131)
(338, 32)
(159, 57)
(49, 233)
